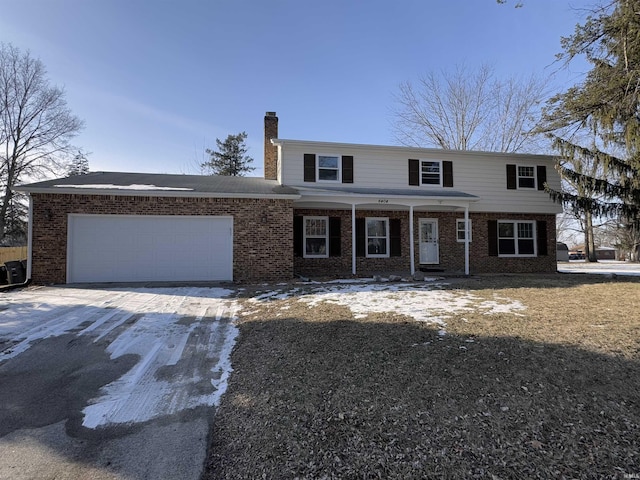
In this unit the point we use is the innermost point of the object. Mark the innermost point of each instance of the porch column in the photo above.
(466, 239)
(411, 247)
(353, 238)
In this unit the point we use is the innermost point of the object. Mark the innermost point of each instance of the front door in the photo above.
(429, 251)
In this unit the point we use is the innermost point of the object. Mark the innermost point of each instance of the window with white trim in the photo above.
(431, 172)
(328, 168)
(316, 237)
(516, 238)
(526, 177)
(460, 230)
(377, 237)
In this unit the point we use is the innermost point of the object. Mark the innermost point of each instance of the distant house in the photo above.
(322, 208)
(606, 253)
(602, 253)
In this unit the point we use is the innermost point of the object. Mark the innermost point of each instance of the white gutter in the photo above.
(156, 193)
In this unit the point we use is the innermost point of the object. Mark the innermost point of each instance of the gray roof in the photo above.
(161, 184)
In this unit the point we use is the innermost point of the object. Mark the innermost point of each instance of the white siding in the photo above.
(479, 174)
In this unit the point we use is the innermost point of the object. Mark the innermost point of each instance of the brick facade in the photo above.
(451, 252)
(262, 243)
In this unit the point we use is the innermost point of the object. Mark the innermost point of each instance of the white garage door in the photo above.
(134, 248)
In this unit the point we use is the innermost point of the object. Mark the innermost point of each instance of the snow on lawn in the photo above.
(425, 303)
(603, 267)
(182, 336)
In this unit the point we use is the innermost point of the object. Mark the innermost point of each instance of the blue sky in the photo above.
(156, 82)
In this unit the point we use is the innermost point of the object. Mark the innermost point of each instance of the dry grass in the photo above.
(553, 393)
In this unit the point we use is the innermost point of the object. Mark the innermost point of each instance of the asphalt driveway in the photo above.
(111, 383)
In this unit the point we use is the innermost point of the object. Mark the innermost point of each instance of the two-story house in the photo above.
(323, 209)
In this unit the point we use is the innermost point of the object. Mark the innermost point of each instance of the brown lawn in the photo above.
(551, 391)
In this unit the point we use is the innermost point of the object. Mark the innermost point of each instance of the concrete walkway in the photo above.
(111, 383)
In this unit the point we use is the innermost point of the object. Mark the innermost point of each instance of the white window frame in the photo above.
(305, 236)
(387, 237)
(339, 167)
(518, 177)
(439, 162)
(459, 230)
(516, 238)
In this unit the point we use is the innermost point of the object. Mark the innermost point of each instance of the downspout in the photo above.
(466, 239)
(353, 239)
(29, 238)
(411, 247)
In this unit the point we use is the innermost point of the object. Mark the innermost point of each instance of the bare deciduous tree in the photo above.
(36, 125)
(462, 110)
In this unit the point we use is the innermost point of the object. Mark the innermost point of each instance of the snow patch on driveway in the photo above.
(182, 336)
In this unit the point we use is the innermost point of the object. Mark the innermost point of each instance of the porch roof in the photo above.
(382, 198)
(386, 192)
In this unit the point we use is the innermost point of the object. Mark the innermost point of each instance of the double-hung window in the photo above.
(431, 172)
(461, 230)
(329, 168)
(377, 237)
(516, 238)
(316, 237)
(526, 177)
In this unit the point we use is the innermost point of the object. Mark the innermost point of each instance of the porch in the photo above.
(364, 232)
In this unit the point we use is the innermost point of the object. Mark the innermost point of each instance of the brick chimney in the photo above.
(270, 151)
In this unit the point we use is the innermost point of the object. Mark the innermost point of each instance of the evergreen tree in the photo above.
(79, 164)
(606, 105)
(230, 158)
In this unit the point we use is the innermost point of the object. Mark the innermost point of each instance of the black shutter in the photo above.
(309, 167)
(335, 239)
(360, 237)
(541, 229)
(298, 236)
(542, 177)
(493, 238)
(447, 174)
(512, 178)
(414, 172)
(395, 237)
(347, 169)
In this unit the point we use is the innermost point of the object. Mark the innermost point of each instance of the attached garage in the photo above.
(149, 227)
(135, 248)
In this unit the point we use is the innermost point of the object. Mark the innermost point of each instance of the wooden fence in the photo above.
(8, 254)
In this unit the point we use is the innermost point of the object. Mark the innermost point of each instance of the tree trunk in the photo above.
(589, 243)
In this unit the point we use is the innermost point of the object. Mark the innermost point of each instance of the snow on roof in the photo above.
(111, 186)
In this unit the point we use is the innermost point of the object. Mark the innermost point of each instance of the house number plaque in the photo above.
(383, 200)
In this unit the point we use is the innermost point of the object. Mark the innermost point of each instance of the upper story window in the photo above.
(329, 168)
(526, 177)
(434, 173)
(430, 172)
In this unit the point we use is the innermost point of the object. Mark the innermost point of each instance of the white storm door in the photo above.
(429, 249)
